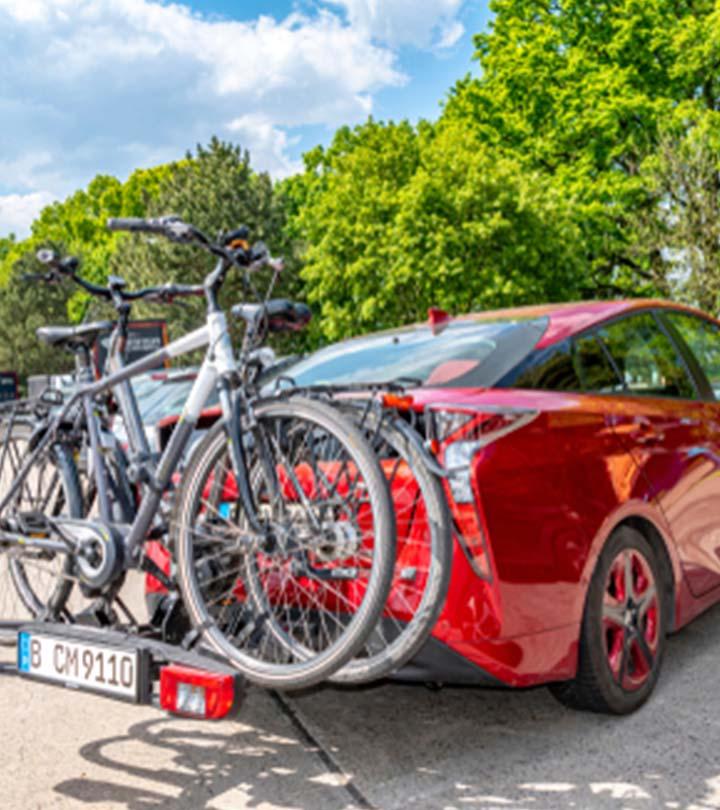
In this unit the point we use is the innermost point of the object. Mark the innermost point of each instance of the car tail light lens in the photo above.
(472, 537)
(196, 693)
(457, 436)
(460, 434)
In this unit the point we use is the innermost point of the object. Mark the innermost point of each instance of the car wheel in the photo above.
(623, 631)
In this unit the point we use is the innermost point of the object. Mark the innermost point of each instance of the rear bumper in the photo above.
(438, 663)
(522, 661)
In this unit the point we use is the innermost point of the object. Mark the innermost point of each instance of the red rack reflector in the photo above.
(196, 693)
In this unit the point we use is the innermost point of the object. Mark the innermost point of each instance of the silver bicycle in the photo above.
(282, 527)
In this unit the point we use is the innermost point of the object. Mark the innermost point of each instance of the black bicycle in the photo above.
(282, 527)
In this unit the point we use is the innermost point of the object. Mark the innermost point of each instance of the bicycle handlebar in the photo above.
(171, 227)
(165, 293)
(231, 249)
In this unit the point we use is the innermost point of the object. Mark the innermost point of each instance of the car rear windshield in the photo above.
(464, 354)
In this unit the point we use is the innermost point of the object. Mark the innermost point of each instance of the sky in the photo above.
(108, 86)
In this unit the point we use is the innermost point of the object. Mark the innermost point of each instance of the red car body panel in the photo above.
(550, 494)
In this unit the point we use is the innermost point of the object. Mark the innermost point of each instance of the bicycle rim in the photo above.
(291, 615)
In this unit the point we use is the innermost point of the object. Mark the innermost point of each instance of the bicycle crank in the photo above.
(98, 556)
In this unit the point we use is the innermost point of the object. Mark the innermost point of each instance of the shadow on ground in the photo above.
(408, 747)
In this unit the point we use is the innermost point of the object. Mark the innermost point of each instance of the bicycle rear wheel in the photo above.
(291, 612)
(423, 555)
(33, 582)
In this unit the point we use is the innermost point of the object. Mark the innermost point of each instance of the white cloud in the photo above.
(17, 211)
(268, 144)
(93, 86)
(450, 34)
(406, 22)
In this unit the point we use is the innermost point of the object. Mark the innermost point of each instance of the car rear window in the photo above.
(464, 354)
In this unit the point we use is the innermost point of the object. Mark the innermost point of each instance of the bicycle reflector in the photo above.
(196, 693)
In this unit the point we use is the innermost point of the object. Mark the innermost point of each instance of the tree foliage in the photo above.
(23, 308)
(216, 190)
(584, 91)
(77, 226)
(678, 236)
(396, 219)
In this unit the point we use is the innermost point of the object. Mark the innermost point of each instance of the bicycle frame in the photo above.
(218, 369)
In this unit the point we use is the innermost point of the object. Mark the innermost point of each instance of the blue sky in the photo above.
(90, 86)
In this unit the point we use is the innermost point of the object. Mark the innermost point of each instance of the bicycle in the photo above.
(263, 561)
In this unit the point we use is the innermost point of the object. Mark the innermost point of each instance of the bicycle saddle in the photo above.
(74, 337)
(281, 315)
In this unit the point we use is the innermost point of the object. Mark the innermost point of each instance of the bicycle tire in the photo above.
(295, 665)
(16, 569)
(423, 557)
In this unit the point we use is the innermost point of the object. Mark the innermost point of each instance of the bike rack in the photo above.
(163, 671)
(161, 661)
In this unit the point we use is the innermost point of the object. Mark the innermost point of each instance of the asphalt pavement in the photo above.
(389, 746)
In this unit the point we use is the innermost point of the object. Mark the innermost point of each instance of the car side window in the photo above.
(703, 338)
(646, 358)
(594, 368)
(550, 369)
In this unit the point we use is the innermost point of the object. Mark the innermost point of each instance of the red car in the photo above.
(585, 445)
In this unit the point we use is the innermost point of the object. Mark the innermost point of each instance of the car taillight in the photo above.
(472, 537)
(460, 434)
(197, 693)
(457, 436)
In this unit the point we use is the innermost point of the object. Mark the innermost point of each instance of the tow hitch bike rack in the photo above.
(124, 665)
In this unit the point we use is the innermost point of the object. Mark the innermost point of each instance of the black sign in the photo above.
(144, 337)
(8, 386)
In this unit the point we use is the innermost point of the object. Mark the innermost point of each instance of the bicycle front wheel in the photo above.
(290, 607)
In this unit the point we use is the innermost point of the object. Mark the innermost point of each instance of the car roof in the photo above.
(568, 319)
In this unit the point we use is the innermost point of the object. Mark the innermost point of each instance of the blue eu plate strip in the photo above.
(24, 652)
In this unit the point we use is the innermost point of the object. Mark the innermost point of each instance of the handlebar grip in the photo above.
(136, 225)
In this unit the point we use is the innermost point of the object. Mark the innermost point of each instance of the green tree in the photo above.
(581, 90)
(679, 234)
(216, 190)
(346, 205)
(6, 245)
(24, 307)
(77, 226)
(396, 219)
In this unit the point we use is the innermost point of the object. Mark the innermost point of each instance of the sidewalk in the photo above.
(390, 747)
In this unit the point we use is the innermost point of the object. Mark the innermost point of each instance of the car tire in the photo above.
(624, 628)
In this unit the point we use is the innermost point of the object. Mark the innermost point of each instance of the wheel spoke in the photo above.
(645, 650)
(624, 660)
(646, 599)
(629, 584)
(614, 613)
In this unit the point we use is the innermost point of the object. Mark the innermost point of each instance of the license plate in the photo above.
(98, 668)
